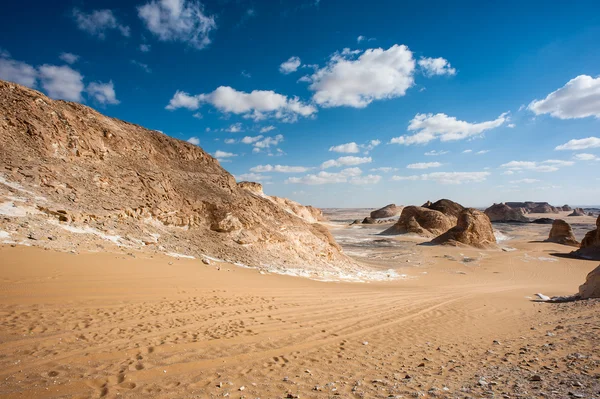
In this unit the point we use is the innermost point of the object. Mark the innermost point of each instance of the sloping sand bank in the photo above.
(107, 325)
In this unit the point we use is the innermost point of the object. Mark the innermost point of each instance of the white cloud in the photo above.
(430, 127)
(61, 82)
(267, 142)
(257, 105)
(229, 141)
(235, 128)
(511, 125)
(384, 169)
(267, 129)
(98, 22)
(69, 58)
(370, 145)
(579, 98)
(360, 39)
(524, 181)
(376, 74)
(145, 67)
(435, 153)
(580, 144)
(508, 172)
(279, 168)
(424, 165)
(223, 154)
(178, 20)
(448, 177)
(351, 148)
(345, 161)
(16, 71)
(289, 66)
(586, 157)
(252, 177)
(467, 151)
(436, 66)
(482, 152)
(103, 93)
(194, 140)
(246, 74)
(550, 165)
(197, 115)
(144, 48)
(251, 139)
(349, 175)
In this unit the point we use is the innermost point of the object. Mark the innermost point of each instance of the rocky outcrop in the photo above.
(89, 173)
(533, 207)
(387, 211)
(590, 245)
(577, 212)
(566, 208)
(473, 228)
(591, 287)
(543, 221)
(504, 213)
(250, 186)
(543, 208)
(422, 221)
(447, 207)
(562, 233)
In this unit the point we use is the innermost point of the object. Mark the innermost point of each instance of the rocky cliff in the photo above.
(65, 168)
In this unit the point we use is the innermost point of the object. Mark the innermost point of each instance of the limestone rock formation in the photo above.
(591, 287)
(543, 221)
(255, 188)
(101, 177)
(473, 228)
(562, 233)
(387, 211)
(543, 208)
(504, 213)
(566, 208)
(533, 207)
(422, 221)
(577, 212)
(590, 245)
(447, 207)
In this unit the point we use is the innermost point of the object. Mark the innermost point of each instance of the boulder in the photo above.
(369, 220)
(422, 221)
(562, 233)
(566, 208)
(387, 211)
(577, 212)
(543, 221)
(590, 245)
(447, 207)
(473, 228)
(591, 287)
(504, 213)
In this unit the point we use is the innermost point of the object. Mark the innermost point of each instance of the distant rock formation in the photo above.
(422, 221)
(543, 221)
(533, 207)
(387, 211)
(447, 207)
(577, 212)
(543, 208)
(566, 208)
(591, 287)
(590, 245)
(562, 233)
(473, 228)
(504, 213)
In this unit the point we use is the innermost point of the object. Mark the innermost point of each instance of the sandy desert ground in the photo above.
(458, 323)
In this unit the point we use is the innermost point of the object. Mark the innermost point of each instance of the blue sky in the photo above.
(340, 103)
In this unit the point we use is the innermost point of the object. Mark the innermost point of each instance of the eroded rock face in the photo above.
(422, 221)
(253, 187)
(119, 178)
(590, 245)
(591, 287)
(504, 213)
(473, 228)
(387, 211)
(577, 212)
(566, 208)
(533, 207)
(447, 207)
(562, 233)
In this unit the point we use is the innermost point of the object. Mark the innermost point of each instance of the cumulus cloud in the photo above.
(580, 144)
(430, 127)
(345, 161)
(61, 82)
(467, 151)
(251, 139)
(229, 141)
(289, 66)
(69, 58)
(235, 128)
(178, 20)
(586, 157)
(482, 152)
(424, 165)
(525, 181)
(550, 165)
(267, 129)
(257, 105)
(16, 71)
(579, 98)
(194, 140)
(252, 177)
(98, 22)
(267, 142)
(279, 168)
(435, 153)
(143, 66)
(351, 148)
(103, 93)
(448, 177)
(223, 154)
(376, 74)
(384, 169)
(436, 66)
(349, 175)
(144, 48)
